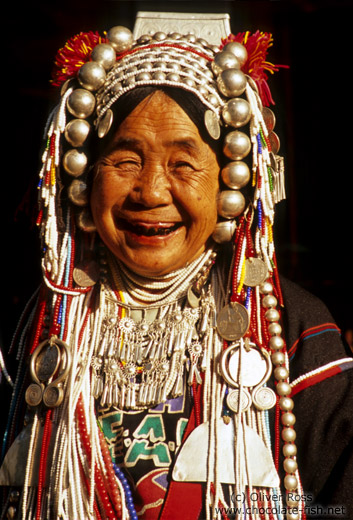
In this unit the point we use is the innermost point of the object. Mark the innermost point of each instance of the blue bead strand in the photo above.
(128, 495)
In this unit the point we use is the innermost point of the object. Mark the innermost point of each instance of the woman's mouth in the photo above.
(149, 229)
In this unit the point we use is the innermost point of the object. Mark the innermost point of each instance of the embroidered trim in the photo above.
(321, 373)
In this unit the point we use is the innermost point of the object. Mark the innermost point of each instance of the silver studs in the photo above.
(91, 75)
(104, 54)
(76, 132)
(224, 231)
(75, 162)
(231, 82)
(230, 203)
(236, 112)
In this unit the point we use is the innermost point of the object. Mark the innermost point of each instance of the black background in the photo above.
(314, 122)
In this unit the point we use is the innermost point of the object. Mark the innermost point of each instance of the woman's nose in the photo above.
(152, 188)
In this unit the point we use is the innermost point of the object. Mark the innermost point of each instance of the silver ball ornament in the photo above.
(230, 203)
(289, 450)
(236, 174)
(75, 162)
(286, 403)
(78, 193)
(224, 60)
(288, 434)
(120, 38)
(278, 358)
(238, 50)
(269, 301)
(276, 343)
(266, 288)
(236, 112)
(290, 483)
(290, 465)
(91, 75)
(283, 388)
(288, 419)
(274, 328)
(236, 145)
(231, 82)
(104, 54)
(280, 373)
(224, 231)
(76, 132)
(81, 103)
(272, 315)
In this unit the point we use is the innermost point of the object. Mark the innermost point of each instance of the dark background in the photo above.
(313, 109)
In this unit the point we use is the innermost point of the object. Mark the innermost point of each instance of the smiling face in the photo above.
(155, 187)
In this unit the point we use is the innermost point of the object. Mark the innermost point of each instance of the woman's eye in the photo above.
(183, 166)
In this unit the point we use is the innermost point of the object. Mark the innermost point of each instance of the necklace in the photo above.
(141, 351)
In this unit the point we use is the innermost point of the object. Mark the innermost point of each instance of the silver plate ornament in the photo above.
(212, 124)
(255, 272)
(233, 321)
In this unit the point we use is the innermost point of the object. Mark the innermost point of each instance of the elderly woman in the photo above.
(158, 383)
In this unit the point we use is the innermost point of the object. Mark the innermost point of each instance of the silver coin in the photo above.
(233, 400)
(255, 272)
(212, 124)
(264, 398)
(86, 275)
(252, 370)
(233, 321)
(105, 124)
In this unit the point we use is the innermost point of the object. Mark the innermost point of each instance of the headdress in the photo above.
(230, 80)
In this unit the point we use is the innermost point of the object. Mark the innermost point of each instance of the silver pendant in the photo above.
(255, 272)
(236, 401)
(263, 398)
(233, 321)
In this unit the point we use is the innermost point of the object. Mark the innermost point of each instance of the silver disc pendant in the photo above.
(212, 124)
(233, 400)
(86, 274)
(233, 321)
(264, 398)
(255, 272)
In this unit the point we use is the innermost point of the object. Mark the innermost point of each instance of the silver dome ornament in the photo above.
(91, 75)
(76, 132)
(224, 60)
(120, 38)
(230, 203)
(232, 82)
(236, 175)
(78, 193)
(236, 145)
(104, 54)
(81, 103)
(224, 231)
(75, 162)
(85, 221)
(238, 50)
(236, 112)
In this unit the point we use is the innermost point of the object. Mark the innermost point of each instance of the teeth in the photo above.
(152, 231)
